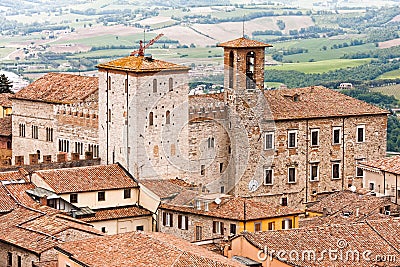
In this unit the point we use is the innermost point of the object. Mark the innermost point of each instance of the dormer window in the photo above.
(296, 98)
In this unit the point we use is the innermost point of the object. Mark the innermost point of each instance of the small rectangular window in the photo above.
(9, 259)
(257, 227)
(268, 177)
(19, 261)
(314, 173)
(269, 140)
(271, 226)
(336, 135)
(101, 196)
(359, 172)
(140, 228)
(360, 133)
(103, 229)
(291, 175)
(168, 219)
(73, 198)
(127, 193)
(233, 229)
(284, 201)
(202, 170)
(372, 186)
(218, 227)
(287, 224)
(335, 171)
(292, 139)
(315, 137)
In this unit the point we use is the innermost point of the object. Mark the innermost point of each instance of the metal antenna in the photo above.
(243, 24)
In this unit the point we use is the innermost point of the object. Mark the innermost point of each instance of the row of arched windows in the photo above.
(170, 85)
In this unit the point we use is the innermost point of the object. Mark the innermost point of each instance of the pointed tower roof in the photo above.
(140, 64)
(243, 42)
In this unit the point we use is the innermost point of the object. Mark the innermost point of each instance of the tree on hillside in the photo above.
(5, 84)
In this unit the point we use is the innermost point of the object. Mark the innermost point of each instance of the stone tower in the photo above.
(142, 116)
(248, 113)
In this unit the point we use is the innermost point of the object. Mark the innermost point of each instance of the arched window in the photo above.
(250, 77)
(38, 153)
(154, 85)
(167, 117)
(151, 117)
(171, 84)
(231, 69)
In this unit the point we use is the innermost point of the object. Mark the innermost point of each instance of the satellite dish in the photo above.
(353, 188)
(217, 200)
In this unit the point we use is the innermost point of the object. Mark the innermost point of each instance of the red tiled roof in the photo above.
(18, 191)
(141, 64)
(60, 88)
(234, 208)
(118, 213)
(315, 102)
(38, 230)
(358, 207)
(142, 249)
(7, 203)
(380, 237)
(389, 164)
(5, 126)
(243, 42)
(5, 100)
(12, 176)
(84, 179)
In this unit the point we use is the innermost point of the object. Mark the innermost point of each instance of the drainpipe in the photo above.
(384, 183)
(307, 160)
(108, 88)
(343, 153)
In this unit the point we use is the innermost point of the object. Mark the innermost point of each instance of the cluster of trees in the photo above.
(383, 54)
(365, 72)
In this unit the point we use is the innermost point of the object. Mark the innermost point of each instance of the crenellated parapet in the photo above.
(80, 114)
(207, 108)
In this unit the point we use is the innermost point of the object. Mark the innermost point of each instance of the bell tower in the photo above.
(244, 64)
(248, 115)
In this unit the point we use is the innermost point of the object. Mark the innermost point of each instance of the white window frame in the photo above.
(333, 135)
(295, 138)
(336, 178)
(265, 176)
(311, 137)
(357, 172)
(168, 217)
(361, 126)
(286, 224)
(272, 134)
(311, 169)
(295, 180)
(369, 186)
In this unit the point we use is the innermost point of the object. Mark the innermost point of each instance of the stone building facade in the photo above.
(54, 117)
(143, 116)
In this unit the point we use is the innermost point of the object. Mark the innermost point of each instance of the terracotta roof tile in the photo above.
(118, 213)
(234, 207)
(141, 64)
(7, 203)
(38, 230)
(165, 189)
(243, 42)
(91, 178)
(12, 176)
(137, 249)
(5, 100)
(379, 237)
(346, 206)
(315, 102)
(60, 88)
(5, 126)
(389, 164)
